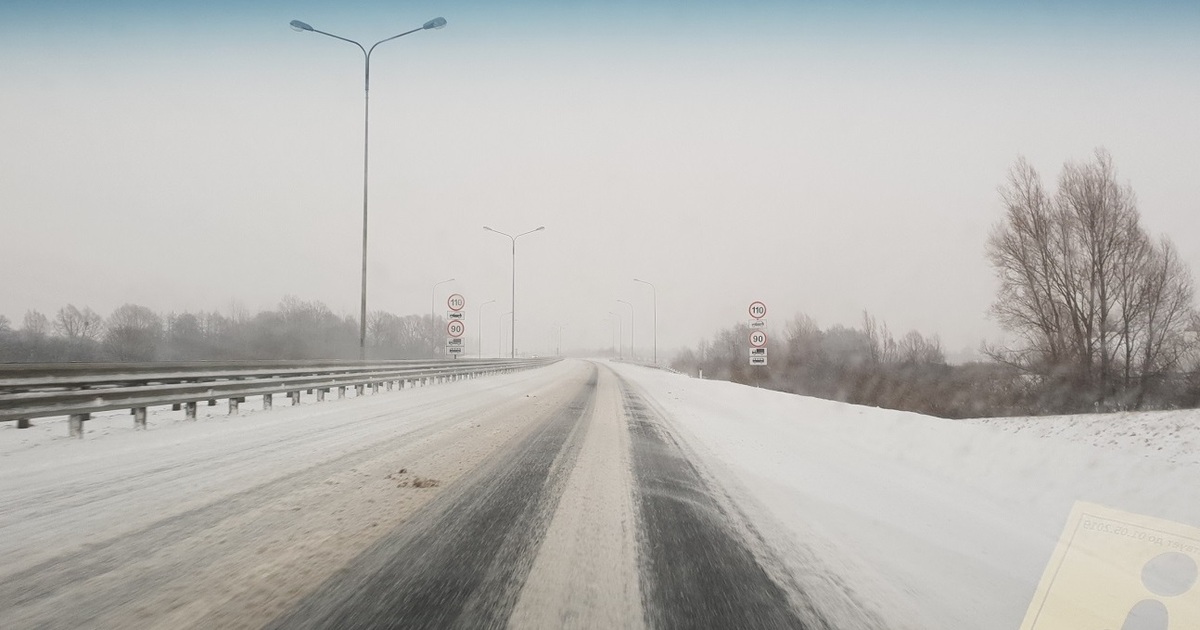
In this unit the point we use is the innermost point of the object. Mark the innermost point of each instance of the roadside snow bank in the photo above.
(1171, 436)
(946, 524)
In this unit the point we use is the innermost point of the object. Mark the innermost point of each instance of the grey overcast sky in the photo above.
(826, 158)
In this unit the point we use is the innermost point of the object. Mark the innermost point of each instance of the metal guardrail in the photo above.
(77, 390)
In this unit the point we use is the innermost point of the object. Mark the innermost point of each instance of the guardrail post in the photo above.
(174, 406)
(139, 418)
(23, 423)
(341, 391)
(268, 401)
(389, 385)
(189, 410)
(358, 390)
(76, 421)
(233, 406)
(295, 396)
(212, 402)
(321, 394)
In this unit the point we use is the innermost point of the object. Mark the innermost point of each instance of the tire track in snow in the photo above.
(463, 562)
(695, 569)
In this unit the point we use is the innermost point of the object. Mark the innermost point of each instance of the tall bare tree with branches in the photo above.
(1097, 308)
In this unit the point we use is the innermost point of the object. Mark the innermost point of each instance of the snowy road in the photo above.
(540, 499)
(581, 494)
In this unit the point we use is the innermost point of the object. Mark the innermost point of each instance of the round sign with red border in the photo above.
(758, 310)
(456, 328)
(456, 302)
(758, 339)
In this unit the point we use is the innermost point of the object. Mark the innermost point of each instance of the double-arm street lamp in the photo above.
(301, 26)
(513, 333)
(655, 294)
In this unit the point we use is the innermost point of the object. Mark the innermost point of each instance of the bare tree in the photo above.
(914, 348)
(35, 324)
(883, 348)
(1080, 285)
(75, 324)
(1168, 290)
(133, 333)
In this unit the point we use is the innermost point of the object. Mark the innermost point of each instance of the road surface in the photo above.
(557, 497)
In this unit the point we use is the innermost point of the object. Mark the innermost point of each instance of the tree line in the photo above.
(296, 329)
(1100, 315)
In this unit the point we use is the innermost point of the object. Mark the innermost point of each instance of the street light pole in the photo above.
(297, 25)
(500, 334)
(558, 345)
(513, 333)
(655, 294)
(632, 339)
(620, 336)
(481, 326)
(433, 312)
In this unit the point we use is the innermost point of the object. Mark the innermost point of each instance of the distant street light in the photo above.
(513, 333)
(481, 326)
(299, 26)
(558, 347)
(655, 293)
(620, 336)
(433, 312)
(632, 339)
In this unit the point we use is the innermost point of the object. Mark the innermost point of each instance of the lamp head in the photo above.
(437, 22)
(299, 26)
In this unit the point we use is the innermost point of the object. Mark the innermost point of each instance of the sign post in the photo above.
(758, 337)
(456, 326)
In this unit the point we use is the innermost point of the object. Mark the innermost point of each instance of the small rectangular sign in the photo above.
(454, 342)
(757, 323)
(758, 360)
(758, 352)
(455, 315)
(455, 350)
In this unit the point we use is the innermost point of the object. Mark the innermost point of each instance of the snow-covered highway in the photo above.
(582, 494)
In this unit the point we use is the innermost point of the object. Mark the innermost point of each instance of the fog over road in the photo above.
(558, 497)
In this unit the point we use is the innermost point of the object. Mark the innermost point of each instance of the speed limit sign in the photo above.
(456, 302)
(456, 328)
(758, 339)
